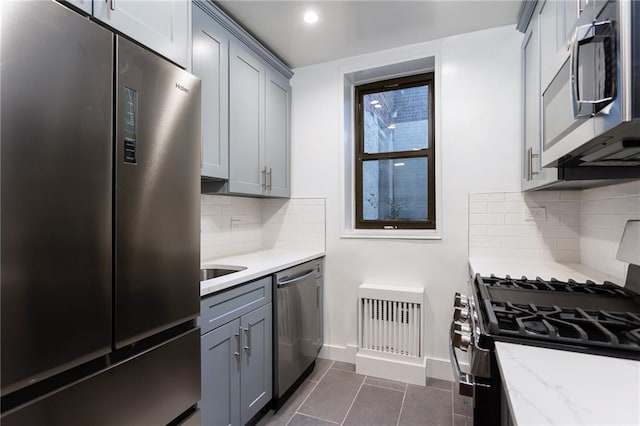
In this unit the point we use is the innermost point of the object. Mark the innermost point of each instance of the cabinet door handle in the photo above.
(248, 347)
(239, 340)
(530, 157)
(270, 174)
(529, 161)
(112, 4)
(264, 178)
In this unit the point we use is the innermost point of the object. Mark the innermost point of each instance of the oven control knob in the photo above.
(461, 340)
(461, 301)
(462, 327)
(461, 314)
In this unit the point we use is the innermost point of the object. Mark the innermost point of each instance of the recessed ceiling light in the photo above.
(373, 102)
(398, 164)
(310, 17)
(391, 126)
(377, 106)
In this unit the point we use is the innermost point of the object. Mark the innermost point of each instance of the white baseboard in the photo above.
(339, 353)
(436, 368)
(410, 370)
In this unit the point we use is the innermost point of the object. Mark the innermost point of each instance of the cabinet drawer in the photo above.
(230, 304)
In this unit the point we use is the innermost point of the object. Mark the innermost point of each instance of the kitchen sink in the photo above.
(219, 271)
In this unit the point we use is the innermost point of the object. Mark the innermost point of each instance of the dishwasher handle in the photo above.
(295, 280)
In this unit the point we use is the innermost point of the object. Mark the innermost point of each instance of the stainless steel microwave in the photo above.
(591, 107)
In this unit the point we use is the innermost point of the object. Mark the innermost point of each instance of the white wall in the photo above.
(480, 140)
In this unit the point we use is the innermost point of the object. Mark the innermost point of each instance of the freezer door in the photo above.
(56, 178)
(157, 194)
(152, 388)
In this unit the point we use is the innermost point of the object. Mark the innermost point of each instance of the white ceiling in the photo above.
(349, 28)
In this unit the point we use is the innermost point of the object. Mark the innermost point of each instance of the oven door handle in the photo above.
(465, 380)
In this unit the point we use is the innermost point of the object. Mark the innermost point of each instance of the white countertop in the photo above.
(258, 265)
(553, 387)
(543, 269)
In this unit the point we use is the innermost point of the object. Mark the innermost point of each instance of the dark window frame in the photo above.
(428, 153)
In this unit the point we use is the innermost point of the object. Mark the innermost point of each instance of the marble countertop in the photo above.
(554, 387)
(257, 264)
(543, 269)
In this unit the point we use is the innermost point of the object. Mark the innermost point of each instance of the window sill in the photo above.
(392, 234)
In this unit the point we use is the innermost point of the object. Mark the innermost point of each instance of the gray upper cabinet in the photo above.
(247, 175)
(210, 63)
(246, 108)
(531, 104)
(278, 136)
(161, 25)
(543, 48)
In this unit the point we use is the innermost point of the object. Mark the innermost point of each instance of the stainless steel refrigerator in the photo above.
(99, 164)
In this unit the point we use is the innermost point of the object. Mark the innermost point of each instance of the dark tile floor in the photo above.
(335, 394)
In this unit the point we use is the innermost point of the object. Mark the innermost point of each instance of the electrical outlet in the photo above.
(236, 224)
(534, 213)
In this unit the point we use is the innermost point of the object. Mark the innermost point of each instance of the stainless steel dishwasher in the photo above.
(297, 333)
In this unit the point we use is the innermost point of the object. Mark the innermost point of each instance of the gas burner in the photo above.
(568, 325)
(570, 286)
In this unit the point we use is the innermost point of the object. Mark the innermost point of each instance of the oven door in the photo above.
(464, 381)
(476, 351)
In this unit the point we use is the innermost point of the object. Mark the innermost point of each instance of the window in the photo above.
(394, 158)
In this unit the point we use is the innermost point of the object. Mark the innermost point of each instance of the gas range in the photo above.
(602, 319)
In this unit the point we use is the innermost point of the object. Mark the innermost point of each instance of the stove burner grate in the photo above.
(567, 325)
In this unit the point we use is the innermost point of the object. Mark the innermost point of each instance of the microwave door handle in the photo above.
(581, 35)
(596, 32)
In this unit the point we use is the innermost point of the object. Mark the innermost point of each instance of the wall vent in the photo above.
(390, 331)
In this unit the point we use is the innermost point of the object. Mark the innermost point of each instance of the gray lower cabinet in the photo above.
(220, 403)
(256, 384)
(236, 353)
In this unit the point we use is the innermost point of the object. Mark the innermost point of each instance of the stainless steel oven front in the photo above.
(470, 349)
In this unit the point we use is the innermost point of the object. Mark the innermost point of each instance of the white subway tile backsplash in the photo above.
(477, 207)
(259, 224)
(604, 213)
(570, 195)
(505, 207)
(523, 230)
(627, 189)
(514, 196)
(526, 243)
(540, 196)
(486, 219)
(564, 207)
(494, 196)
(485, 241)
(477, 230)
